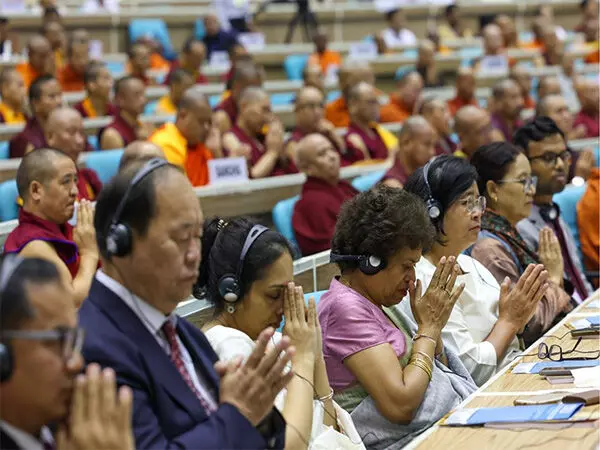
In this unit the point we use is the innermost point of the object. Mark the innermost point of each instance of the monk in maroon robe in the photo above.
(323, 194)
(98, 85)
(45, 95)
(265, 154)
(47, 183)
(246, 74)
(363, 141)
(588, 117)
(191, 59)
(436, 112)
(130, 98)
(416, 146)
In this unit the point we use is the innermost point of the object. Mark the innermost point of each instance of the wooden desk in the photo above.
(497, 392)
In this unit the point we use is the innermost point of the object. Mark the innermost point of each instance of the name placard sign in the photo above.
(227, 170)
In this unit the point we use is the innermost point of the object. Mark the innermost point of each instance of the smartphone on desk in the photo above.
(555, 372)
(590, 332)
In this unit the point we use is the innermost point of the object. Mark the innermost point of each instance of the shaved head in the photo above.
(473, 127)
(353, 72)
(193, 98)
(140, 152)
(37, 165)
(306, 150)
(413, 125)
(548, 86)
(253, 95)
(417, 140)
(308, 92)
(64, 131)
(60, 116)
(317, 157)
(359, 90)
(194, 116)
(502, 86)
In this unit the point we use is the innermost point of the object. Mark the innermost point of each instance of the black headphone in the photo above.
(118, 240)
(230, 285)
(10, 264)
(434, 208)
(549, 212)
(368, 264)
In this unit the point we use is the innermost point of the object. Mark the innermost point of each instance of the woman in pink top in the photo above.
(393, 375)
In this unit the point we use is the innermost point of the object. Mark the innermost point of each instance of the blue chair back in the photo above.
(294, 66)
(282, 98)
(366, 182)
(116, 68)
(199, 30)
(4, 153)
(316, 295)
(214, 100)
(332, 96)
(156, 28)
(105, 163)
(93, 141)
(8, 200)
(150, 108)
(282, 217)
(567, 201)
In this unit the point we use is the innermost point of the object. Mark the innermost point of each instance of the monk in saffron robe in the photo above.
(266, 155)
(41, 61)
(587, 93)
(465, 90)
(98, 85)
(179, 82)
(363, 138)
(130, 98)
(71, 76)
(47, 183)
(403, 102)
(325, 59)
(435, 111)
(184, 143)
(246, 74)
(64, 132)
(44, 96)
(54, 31)
(309, 119)
(323, 194)
(12, 92)
(191, 59)
(416, 146)
(139, 63)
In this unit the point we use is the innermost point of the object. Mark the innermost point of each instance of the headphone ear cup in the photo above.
(371, 265)
(434, 210)
(118, 240)
(229, 288)
(6, 362)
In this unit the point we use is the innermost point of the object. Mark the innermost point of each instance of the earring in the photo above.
(230, 308)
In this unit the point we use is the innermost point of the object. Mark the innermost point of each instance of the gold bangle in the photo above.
(418, 336)
(424, 369)
(423, 366)
(327, 397)
(426, 356)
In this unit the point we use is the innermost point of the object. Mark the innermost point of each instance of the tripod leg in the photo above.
(292, 27)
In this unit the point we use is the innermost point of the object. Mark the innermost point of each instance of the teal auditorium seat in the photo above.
(316, 295)
(199, 30)
(366, 182)
(104, 163)
(8, 200)
(332, 96)
(155, 28)
(116, 68)
(150, 108)
(93, 141)
(282, 218)
(214, 100)
(4, 150)
(294, 66)
(282, 98)
(567, 201)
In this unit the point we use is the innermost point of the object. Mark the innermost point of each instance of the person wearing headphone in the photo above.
(393, 375)
(506, 181)
(247, 274)
(148, 227)
(41, 379)
(484, 324)
(546, 148)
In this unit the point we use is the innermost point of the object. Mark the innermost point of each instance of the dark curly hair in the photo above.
(492, 162)
(380, 222)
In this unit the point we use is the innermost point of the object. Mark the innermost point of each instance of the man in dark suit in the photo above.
(180, 399)
(40, 359)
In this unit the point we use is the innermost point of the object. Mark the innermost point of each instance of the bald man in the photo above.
(494, 58)
(587, 93)
(245, 74)
(12, 93)
(130, 98)
(323, 58)
(363, 139)
(323, 194)
(54, 31)
(350, 74)
(64, 132)
(435, 111)
(474, 129)
(265, 154)
(426, 63)
(508, 29)
(522, 77)
(193, 55)
(416, 146)
(184, 142)
(140, 152)
(179, 81)
(47, 183)
(548, 86)
(71, 76)
(138, 63)
(309, 108)
(98, 85)
(40, 60)
(403, 102)
(465, 90)
(508, 104)
(312, 77)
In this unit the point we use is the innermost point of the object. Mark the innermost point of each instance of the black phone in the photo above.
(555, 372)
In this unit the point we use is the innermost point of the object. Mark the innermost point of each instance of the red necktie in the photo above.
(171, 335)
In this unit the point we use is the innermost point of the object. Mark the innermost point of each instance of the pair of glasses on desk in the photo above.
(555, 352)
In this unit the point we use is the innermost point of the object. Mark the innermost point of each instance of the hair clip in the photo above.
(221, 224)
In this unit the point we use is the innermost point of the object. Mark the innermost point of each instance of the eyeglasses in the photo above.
(474, 203)
(71, 339)
(550, 158)
(556, 353)
(528, 182)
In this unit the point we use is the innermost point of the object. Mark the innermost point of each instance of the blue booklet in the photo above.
(537, 367)
(520, 414)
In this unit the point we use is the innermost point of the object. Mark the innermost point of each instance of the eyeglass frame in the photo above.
(565, 156)
(547, 353)
(528, 182)
(71, 339)
(473, 202)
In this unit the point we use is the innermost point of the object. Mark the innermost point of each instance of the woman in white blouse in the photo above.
(397, 35)
(247, 274)
(485, 323)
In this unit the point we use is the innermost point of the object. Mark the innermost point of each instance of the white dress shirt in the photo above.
(153, 320)
(231, 9)
(401, 39)
(25, 440)
(472, 318)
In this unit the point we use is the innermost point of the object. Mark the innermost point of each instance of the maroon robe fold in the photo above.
(373, 141)
(396, 172)
(316, 213)
(590, 123)
(258, 150)
(88, 184)
(34, 228)
(111, 110)
(127, 132)
(228, 105)
(32, 133)
(445, 146)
